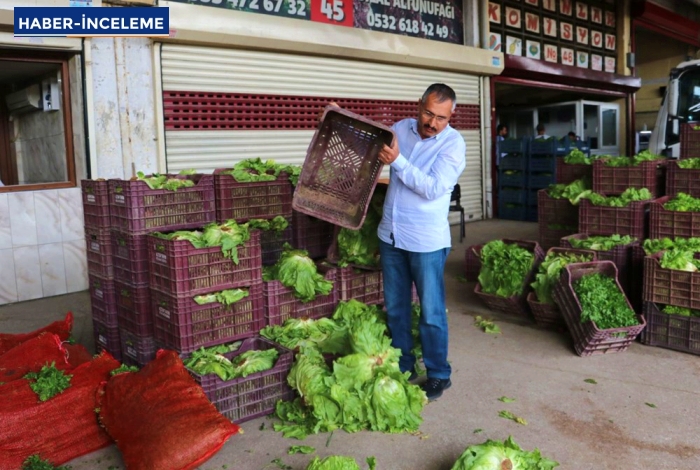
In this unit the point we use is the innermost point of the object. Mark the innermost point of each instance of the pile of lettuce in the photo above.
(213, 360)
(603, 303)
(680, 311)
(361, 247)
(679, 259)
(158, 181)
(277, 224)
(601, 243)
(549, 271)
(362, 389)
(225, 297)
(623, 200)
(253, 170)
(496, 455)
(339, 462)
(683, 203)
(574, 191)
(689, 163)
(653, 246)
(644, 156)
(229, 236)
(297, 271)
(577, 157)
(504, 268)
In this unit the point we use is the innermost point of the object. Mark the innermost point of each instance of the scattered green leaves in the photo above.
(508, 415)
(301, 450)
(48, 382)
(280, 464)
(650, 405)
(34, 462)
(487, 325)
(478, 431)
(505, 399)
(591, 381)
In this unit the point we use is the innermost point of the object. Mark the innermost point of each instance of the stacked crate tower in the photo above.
(100, 265)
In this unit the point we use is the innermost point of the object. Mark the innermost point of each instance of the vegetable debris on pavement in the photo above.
(506, 455)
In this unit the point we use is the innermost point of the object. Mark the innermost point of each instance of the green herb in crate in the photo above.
(681, 311)
(549, 271)
(601, 243)
(602, 302)
(683, 203)
(504, 268)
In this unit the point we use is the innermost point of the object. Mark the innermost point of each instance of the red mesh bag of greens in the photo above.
(160, 417)
(31, 355)
(61, 328)
(59, 429)
(77, 354)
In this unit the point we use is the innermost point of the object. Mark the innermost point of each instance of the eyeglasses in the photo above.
(430, 116)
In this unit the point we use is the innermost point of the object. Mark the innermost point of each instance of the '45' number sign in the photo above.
(338, 12)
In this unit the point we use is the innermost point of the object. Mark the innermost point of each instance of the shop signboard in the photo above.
(429, 19)
(580, 33)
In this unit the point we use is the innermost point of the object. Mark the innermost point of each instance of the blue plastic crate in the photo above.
(545, 147)
(514, 212)
(543, 164)
(513, 146)
(531, 214)
(516, 180)
(513, 162)
(541, 180)
(512, 196)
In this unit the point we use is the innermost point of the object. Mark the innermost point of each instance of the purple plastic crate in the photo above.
(96, 204)
(134, 309)
(311, 234)
(107, 338)
(671, 331)
(98, 247)
(130, 257)
(136, 350)
(281, 304)
(256, 395)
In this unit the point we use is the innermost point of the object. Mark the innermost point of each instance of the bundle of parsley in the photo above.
(603, 303)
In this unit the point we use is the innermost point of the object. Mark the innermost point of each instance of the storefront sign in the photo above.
(429, 19)
(579, 33)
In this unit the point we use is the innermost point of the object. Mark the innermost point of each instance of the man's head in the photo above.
(540, 129)
(435, 109)
(502, 130)
(572, 135)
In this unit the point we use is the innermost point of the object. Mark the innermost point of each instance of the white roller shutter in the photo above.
(218, 70)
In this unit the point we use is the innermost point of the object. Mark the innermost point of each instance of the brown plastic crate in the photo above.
(680, 180)
(690, 140)
(362, 285)
(621, 256)
(559, 212)
(671, 331)
(137, 209)
(613, 181)
(130, 256)
(635, 277)
(244, 201)
(281, 304)
(569, 172)
(107, 338)
(256, 395)
(311, 234)
(472, 263)
(136, 350)
(96, 204)
(98, 245)
(103, 300)
(183, 325)
(178, 268)
(272, 244)
(134, 309)
(516, 304)
(588, 338)
(664, 223)
(603, 220)
(341, 168)
(669, 286)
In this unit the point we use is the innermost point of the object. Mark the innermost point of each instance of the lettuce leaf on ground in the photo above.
(496, 455)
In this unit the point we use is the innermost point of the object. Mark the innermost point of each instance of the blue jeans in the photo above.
(401, 269)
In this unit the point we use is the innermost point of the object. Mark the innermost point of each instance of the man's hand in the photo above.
(388, 154)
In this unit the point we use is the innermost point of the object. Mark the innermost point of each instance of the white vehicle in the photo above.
(681, 104)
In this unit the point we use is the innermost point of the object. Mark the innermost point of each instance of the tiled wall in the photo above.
(42, 244)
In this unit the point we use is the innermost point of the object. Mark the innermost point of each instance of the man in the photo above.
(501, 134)
(572, 136)
(541, 132)
(426, 160)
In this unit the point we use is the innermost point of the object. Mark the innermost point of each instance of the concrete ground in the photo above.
(608, 425)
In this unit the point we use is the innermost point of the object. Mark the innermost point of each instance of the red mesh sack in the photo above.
(31, 356)
(61, 328)
(160, 418)
(77, 354)
(59, 429)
